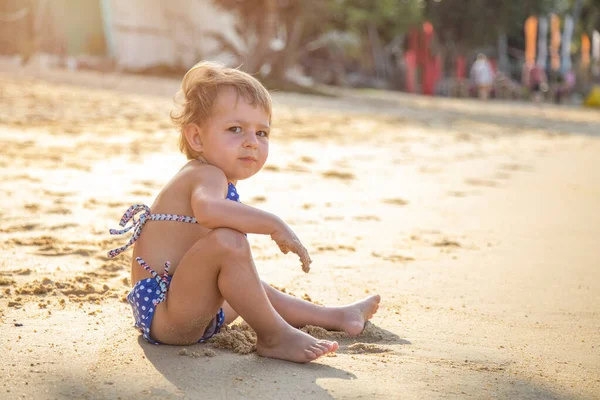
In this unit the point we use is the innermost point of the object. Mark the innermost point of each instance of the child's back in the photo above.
(163, 241)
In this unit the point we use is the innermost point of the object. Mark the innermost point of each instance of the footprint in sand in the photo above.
(52, 246)
(307, 160)
(345, 176)
(79, 166)
(60, 211)
(32, 207)
(150, 184)
(78, 289)
(272, 168)
(141, 193)
(39, 241)
(52, 251)
(19, 228)
(335, 248)
(58, 194)
(366, 218)
(64, 226)
(28, 178)
(258, 199)
(396, 202)
(457, 193)
(392, 257)
(480, 182)
(447, 243)
(514, 167)
(297, 168)
(118, 204)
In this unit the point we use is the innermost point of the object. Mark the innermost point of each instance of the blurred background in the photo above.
(546, 50)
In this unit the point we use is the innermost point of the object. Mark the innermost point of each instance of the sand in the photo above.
(477, 223)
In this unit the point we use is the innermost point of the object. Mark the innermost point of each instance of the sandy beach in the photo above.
(477, 223)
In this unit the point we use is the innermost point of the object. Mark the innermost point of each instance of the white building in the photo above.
(145, 33)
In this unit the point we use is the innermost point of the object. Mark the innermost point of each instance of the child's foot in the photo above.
(355, 315)
(294, 345)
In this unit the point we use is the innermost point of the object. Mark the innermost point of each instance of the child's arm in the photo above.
(213, 210)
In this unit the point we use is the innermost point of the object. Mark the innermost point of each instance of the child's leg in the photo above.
(220, 266)
(350, 318)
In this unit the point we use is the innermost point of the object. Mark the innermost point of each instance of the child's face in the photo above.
(236, 136)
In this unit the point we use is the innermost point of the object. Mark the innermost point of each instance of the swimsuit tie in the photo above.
(163, 280)
(145, 216)
(135, 223)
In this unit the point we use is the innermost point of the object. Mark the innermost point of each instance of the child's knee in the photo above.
(229, 241)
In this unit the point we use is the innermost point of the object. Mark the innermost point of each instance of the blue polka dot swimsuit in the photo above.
(146, 294)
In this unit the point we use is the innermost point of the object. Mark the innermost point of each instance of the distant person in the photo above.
(566, 83)
(192, 268)
(482, 75)
(538, 82)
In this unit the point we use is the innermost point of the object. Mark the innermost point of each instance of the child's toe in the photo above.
(310, 355)
(317, 350)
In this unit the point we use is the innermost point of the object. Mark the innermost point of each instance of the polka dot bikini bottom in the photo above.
(149, 293)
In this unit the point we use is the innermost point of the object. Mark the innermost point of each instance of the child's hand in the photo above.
(287, 241)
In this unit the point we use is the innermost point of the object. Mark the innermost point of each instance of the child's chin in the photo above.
(245, 175)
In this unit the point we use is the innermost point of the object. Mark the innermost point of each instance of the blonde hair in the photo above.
(199, 90)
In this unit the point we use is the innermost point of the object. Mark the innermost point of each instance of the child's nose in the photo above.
(251, 140)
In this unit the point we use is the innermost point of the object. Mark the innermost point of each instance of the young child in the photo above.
(196, 228)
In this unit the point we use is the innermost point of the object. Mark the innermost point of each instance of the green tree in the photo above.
(586, 15)
(380, 25)
(296, 27)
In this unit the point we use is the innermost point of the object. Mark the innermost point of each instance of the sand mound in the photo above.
(362, 348)
(320, 333)
(239, 338)
(371, 333)
(196, 354)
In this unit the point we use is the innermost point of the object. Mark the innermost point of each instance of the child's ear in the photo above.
(192, 133)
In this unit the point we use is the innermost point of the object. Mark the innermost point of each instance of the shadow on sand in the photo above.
(230, 375)
(235, 376)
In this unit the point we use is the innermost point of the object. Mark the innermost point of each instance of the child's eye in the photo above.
(235, 129)
(262, 134)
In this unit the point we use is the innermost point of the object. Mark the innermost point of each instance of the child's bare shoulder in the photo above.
(204, 176)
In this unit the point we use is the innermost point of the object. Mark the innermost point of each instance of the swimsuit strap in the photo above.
(154, 274)
(173, 217)
(232, 193)
(162, 280)
(145, 215)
